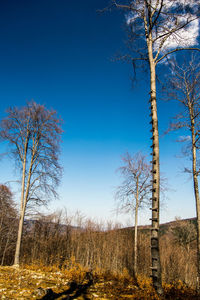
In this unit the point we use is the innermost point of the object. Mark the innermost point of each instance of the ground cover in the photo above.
(40, 282)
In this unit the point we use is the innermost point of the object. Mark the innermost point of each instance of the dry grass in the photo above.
(20, 283)
(36, 281)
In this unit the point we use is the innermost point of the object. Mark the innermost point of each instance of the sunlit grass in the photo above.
(33, 281)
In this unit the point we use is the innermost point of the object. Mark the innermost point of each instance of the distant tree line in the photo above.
(62, 240)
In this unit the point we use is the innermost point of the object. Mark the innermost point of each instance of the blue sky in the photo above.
(60, 53)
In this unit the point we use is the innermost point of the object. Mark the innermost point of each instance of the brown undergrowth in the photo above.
(72, 281)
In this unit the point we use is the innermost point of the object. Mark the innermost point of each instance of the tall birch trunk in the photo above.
(196, 191)
(19, 236)
(155, 253)
(22, 206)
(21, 221)
(23, 203)
(136, 230)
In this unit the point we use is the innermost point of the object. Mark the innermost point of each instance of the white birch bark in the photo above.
(136, 230)
(196, 189)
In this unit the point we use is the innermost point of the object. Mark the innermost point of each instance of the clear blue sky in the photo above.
(60, 53)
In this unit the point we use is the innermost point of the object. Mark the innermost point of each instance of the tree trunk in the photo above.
(136, 231)
(19, 237)
(22, 204)
(196, 192)
(22, 214)
(21, 220)
(155, 254)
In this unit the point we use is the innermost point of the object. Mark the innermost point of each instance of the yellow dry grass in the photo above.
(36, 281)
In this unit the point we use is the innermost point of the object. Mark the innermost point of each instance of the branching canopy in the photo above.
(33, 133)
(137, 182)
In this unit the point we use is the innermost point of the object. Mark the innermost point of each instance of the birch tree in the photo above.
(158, 28)
(33, 133)
(134, 192)
(184, 87)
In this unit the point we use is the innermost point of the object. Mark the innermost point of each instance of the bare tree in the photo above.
(135, 189)
(33, 133)
(158, 28)
(184, 86)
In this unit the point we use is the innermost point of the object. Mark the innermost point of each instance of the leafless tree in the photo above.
(158, 28)
(33, 133)
(184, 86)
(135, 189)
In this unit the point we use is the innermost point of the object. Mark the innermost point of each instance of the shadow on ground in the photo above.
(75, 290)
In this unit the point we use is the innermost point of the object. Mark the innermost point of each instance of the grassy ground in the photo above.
(39, 282)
